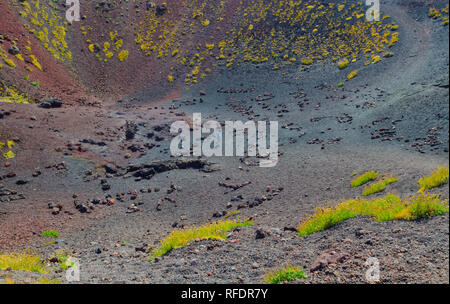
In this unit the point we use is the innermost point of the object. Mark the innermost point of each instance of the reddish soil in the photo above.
(54, 80)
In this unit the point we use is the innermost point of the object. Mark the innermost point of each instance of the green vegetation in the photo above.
(230, 214)
(181, 238)
(437, 14)
(7, 146)
(259, 31)
(50, 233)
(354, 173)
(379, 185)
(12, 95)
(42, 281)
(352, 75)
(45, 281)
(389, 208)
(63, 258)
(436, 179)
(46, 24)
(343, 64)
(5, 58)
(278, 32)
(285, 274)
(23, 262)
(365, 178)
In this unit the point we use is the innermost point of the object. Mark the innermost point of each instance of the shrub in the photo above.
(123, 55)
(285, 274)
(181, 238)
(41, 281)
(343, 64)
(9, 62)
(35, 62)
(8, 155)
(352, 75)
(307, 61)
(379, 186)
(22, 262)
(50, 233)
(365, 178)
(436, 179)
(389, 208)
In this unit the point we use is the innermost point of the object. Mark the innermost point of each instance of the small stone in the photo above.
(14, 50)
(21, 182)
(260, 234)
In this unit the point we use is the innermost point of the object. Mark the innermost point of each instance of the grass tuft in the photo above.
(42, 281)
(50, 233)
(45, 281)
(285, 274)
(22, 262)
(181, 238)
(436, 179)
(365, 178)
(389, 208)
(379, 185)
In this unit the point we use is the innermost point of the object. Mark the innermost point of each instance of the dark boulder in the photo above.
(51, 103)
